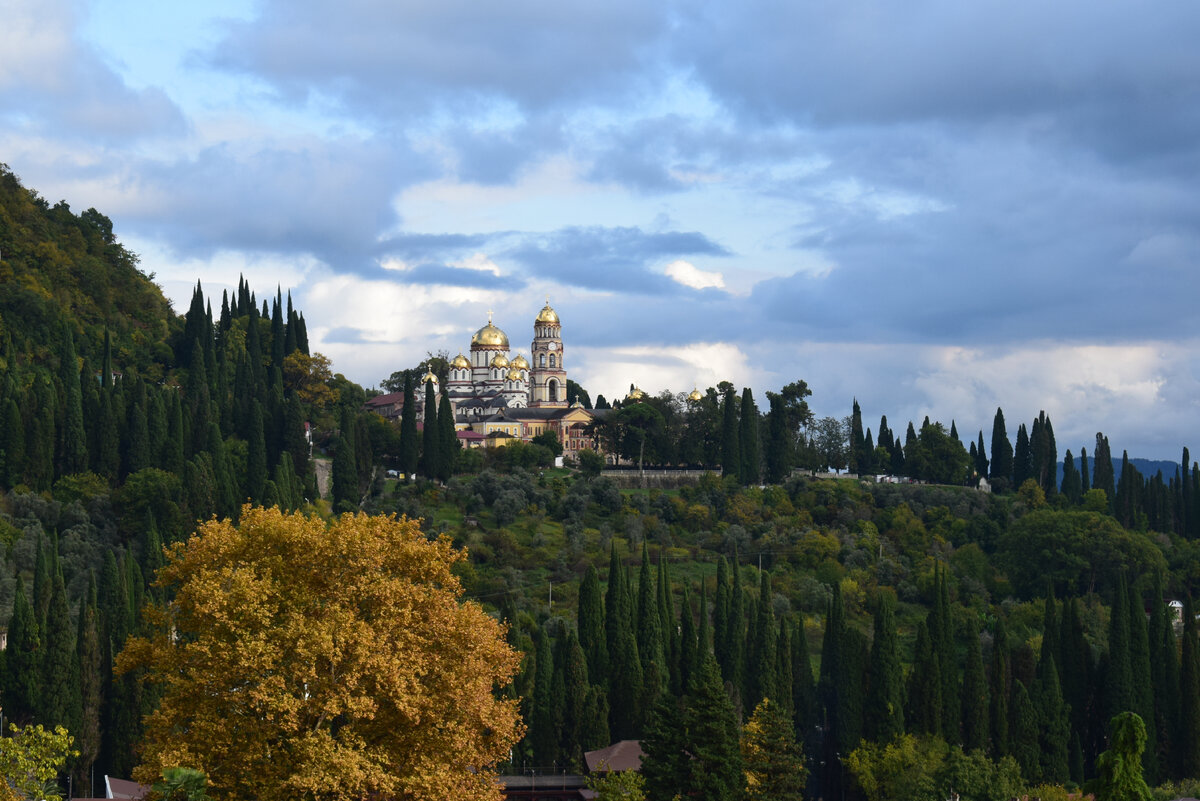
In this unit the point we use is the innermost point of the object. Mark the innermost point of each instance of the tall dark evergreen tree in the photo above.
(72, 444)
(649, 633)
(715, 767)
(749, 455)
(624, 665)
(731, 453)
(591, 627)
(761, 672)
(884, 710)
(448, 447)
(975, 728)
(1024, 732)
(60, 683)
(543, 733)
(256, 457)
(981, 459)
(1002, 452)
(1188, 737)
(1102, 470)
(859, 458)
(91, 677)
(1022, 458)
(1054, 728)
(23, 658)
(924, 713)
(998, 691)
(430, 451)
(409, 443)
(344, 479)
(1119, 679)
(1072, 483)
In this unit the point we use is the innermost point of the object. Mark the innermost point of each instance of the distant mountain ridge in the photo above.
(1147, 467)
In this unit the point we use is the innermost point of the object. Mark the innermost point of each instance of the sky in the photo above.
(938, 208)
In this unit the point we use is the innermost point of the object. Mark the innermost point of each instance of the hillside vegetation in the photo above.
(956, 637)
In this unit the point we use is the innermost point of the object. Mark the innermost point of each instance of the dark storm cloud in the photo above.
(614, 259)
(1114, 74)
(378, 58)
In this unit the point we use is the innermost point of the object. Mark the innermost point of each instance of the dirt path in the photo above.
(323, 467)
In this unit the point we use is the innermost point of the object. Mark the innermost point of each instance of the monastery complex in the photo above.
(498, 398)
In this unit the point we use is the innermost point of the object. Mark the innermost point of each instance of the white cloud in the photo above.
(685, 273)
(656, 368)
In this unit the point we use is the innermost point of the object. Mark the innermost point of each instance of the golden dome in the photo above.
(429, 376)
(500, 360)
(460, 363)
(514, 375)
(695, 395)
(635, 394)
(520, 363)
(489, 337)
(547, 314)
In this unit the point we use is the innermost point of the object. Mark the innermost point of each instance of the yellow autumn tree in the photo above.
(300, 659)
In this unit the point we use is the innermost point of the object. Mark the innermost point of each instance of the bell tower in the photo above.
(547, 373)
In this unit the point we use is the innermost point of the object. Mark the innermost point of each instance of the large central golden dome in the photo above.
(490, 337)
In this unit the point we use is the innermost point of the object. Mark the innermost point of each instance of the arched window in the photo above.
(552, 360)
(552, 391)
(542, 360)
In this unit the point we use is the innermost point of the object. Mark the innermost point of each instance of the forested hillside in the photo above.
(962, 637)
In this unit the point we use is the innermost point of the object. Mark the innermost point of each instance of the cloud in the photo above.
(654, 368)
(384, 59)
(687, 274)
(612, 259)
(52, 83)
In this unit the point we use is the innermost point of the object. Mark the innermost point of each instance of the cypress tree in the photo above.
(344, 479)
(1054, 728)
(981, 459)
(1141, 679)
(998, 696)
(885, 698)
(625, 669)
(715, 767)
(804, 688)
(1050, 634)
(543, 735)
(448, 446)
(731, 454)
(22, 663)
(859, 458)
(649, 633)
(409, 447)
(590, 622)
(1022, 458)
(574, 710)
(43, 584)
(91, 675)
(1102, 472)
(1024, 732)
(974, 696)
(924, 715)
(689, 653)
(671, 638)
(1188, 739)
(1119, 684)
(722, 602)
(1075, 668)
(737, 629)
(60, 684)
(666, 761)
(72, 452)
(12, 445)
(1164, 666)
(430, 453)
(1072, 485)
(256, 456)
(1002, 452)
(761, 678)
(783, 670)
